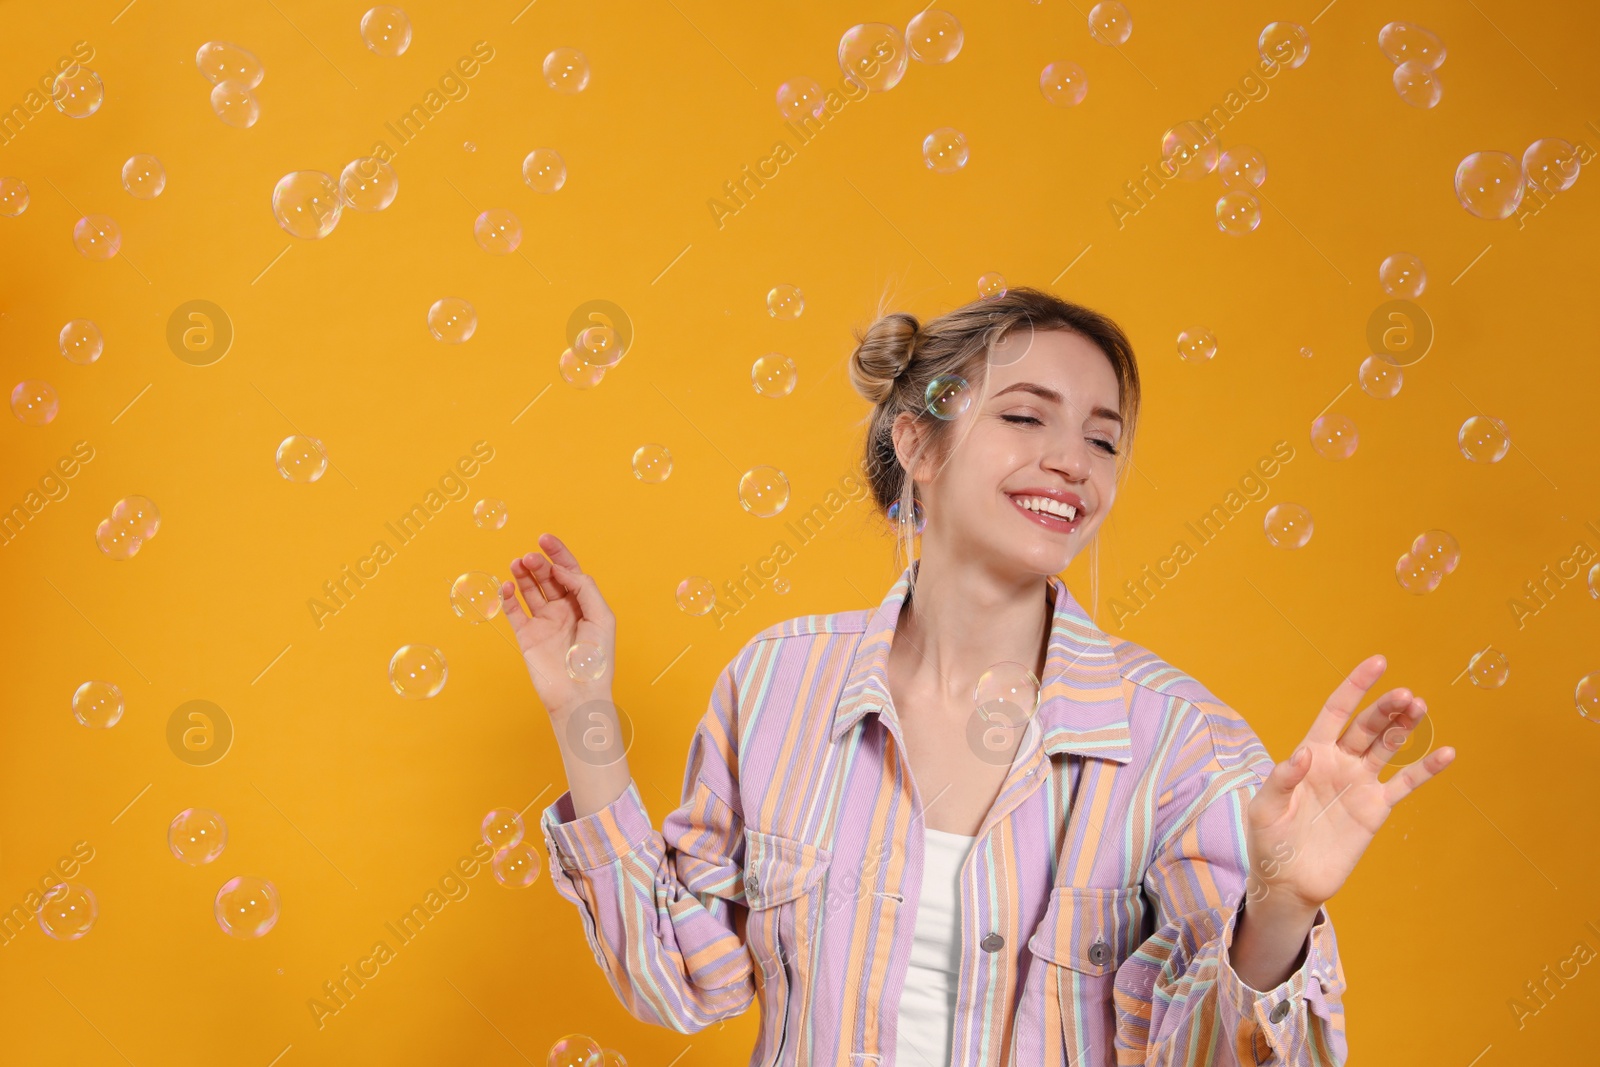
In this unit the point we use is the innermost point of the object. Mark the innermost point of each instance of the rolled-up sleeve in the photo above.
(662, 910)
(1179, 1002)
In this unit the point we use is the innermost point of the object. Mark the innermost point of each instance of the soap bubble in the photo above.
(1284, 42)
(221, 62)
(497, 231)
(785, 302)
(133, 521)
(97, 237)
(247, 907)
(197, 836)
(919, 520)
(1306, 351)
(81, 341)
(489, 513)
(97, 705)
(143, 176)
(13, 197)
(475, 596)
(873, 55)
(1288, 526)
(417, 672)
(1006, 689)
(1110, 23)
(599, 346)
(77, 92)
(1238, 212)
(368, 184)
(386, 30)
(544, 170)
(1488, 669)
(991, 283)
(1550, 164)
(566, 70)
(945, 150)
(1190, 150)
(764, 491)
(610, 1057)
(652, 464)
(1418, 84)
(468, 146)
(235, 105)
(1489, 184)
(773, 375)
(1587, 696)
(34, 403)
(1379, 377)
(1594, 582)
(1483, 439)
(516, 867)
(586, 662)
(801, 97)
(1334, 436)
(301, 459)
(1437, 550)
(1064, 84)
(934, 36)
(502, 828)
(780, 585)
(1405, 42)
(306, 204)
(578, 372)
(1196, 343)
(574, 1050)
(1403, 275)
(1242, 167)
(1415, 576)
(68, 911)
(947, 397)
(696, 595)
(452, 320)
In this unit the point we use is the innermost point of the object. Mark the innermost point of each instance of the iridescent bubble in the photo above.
(945, 150)
(1437, 550)
(1594, 582)
(1284, 42)
(1333, 436)
(1007, 689)
(247, 907)
(68, 911)
(1110, 23)
(197, 836)
(13, 197)
(1418, 84)
(919, 520)
(578, 372)
(599, 346)
(1288, 526)
(235, 105)
(475, 596)
(586, 662)
(1586, 694)
(1306, 352)
(417, 672)
(77, 92)
(1403, 275)
(1483, 439)
(764, 491)
(696, 595)
(785, 302)
(991, 283)
(516, 867)
(97, 705)
(497, 231)
(306, 204)
(1415, 576)
(1238, 212)
(1550, 164)
(780, 585)
(468, 146)
(652, 464)
(452, 320)
(566, 70)
(1489, 184)
(368, 184)
(1488, 669)
(544, 170)
(301, 459)
(139, 514)
(873, 55)
(221, 62)
(1405, 42)
(773, 375)
(1242, 167)
(947, 397)
(81, 341)
(1196, 343)
(489, 513)
(934, 36)
(1064, 84)
(502, 828)
(574, 1050)
(386, 30)
(34, 403)
(610, 1057)
(143, 176)
(97, 237)
(117, 540)
(801, 97)
(1379, 377)
(1190, 150)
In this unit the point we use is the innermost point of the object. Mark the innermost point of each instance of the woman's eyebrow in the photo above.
(1046, 393)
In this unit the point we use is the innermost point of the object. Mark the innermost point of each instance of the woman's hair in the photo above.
(898, 358)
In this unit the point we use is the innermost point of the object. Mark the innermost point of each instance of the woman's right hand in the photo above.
(564, 608)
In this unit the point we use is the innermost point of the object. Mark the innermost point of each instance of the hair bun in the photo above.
(882, 354)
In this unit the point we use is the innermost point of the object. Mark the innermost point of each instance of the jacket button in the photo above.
(1099, 953)
(752, 885)
(992, 943)
(1279, 1011)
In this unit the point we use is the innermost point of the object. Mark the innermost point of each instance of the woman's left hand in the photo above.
(1318, 810)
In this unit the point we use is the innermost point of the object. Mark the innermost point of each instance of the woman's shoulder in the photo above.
(1143, 668)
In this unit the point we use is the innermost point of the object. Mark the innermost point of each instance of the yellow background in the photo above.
(355, 802)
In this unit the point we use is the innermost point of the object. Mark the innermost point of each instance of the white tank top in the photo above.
(927, 1007)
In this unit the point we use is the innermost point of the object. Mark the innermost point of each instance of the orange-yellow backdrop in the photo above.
(354, 801)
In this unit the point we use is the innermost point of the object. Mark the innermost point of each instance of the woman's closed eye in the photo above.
(1107, 447)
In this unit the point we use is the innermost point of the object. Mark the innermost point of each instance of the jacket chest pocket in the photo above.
(783, 890)
(1084, 936)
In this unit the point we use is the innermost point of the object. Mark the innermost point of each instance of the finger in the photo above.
(587, 591)
(1276, 792)
(1378, 717)
(1325, 729)
(515, 615)
(1386, 744)
(527, 582)
(558, 552)
(1408, 778)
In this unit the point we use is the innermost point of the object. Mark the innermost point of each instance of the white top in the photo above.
(927, 1007)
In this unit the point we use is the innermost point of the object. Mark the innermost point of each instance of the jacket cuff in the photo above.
(1281, 1014)
(599, 838)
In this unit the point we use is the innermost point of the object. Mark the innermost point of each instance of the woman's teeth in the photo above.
(1048, 506)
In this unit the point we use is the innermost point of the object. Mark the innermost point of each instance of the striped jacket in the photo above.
(1097, 902)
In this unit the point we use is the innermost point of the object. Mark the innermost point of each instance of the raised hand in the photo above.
(564, 608)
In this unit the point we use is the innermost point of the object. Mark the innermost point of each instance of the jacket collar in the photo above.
(1081, 704)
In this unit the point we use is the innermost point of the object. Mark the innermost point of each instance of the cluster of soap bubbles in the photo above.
(418, 672)
(234, 73)
(1287, 526)
(133, 521)
(1493, 185)
(309, 203)
(580, 1050)
(1422, 567)
(246, 906)
(516, 862)
(1417, 54)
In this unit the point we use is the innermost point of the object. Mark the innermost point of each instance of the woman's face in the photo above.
(1049, 428)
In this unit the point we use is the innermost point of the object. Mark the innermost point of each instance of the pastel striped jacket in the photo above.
(1097, 902)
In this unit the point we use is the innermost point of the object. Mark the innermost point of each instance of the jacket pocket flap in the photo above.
(778, 869)
(1090, 930)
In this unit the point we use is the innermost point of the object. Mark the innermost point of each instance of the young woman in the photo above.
(900, 849)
